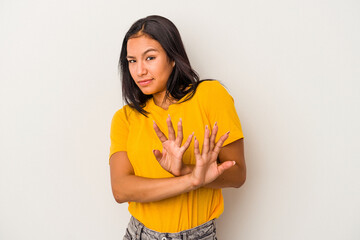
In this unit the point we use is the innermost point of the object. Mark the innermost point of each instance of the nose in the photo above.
(141, 69)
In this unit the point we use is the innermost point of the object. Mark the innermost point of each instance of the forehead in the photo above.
(139, 45)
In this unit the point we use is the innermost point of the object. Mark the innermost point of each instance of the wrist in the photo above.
(186, 169)
(192, 182)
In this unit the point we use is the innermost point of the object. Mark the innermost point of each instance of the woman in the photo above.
(173, 185)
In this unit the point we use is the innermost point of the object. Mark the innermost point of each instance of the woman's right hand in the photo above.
(171, 157)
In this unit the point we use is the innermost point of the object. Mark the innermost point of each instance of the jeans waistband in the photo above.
(137, 230)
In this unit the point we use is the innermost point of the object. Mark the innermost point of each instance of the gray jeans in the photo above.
(137, 231)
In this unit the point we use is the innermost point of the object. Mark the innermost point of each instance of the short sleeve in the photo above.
(119, 132)
(220, 108)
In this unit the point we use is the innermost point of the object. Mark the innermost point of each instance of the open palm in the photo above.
(207, 168)
(172, 153)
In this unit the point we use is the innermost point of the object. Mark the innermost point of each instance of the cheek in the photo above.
(167, 70)
(132, 71)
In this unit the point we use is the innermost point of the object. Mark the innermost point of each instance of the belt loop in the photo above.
(184, 236)
(139, 231)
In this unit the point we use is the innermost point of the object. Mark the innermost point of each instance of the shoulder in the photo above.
(123, 114)
(209, 84)
(211, 88)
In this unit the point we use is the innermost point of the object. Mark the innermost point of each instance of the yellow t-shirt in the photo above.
(132, 132)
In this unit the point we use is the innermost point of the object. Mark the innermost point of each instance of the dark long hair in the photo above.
(182, 81)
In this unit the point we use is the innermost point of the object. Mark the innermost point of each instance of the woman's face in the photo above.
(149, 65)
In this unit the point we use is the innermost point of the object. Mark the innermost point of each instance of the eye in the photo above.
(131, 61)
(150, 58)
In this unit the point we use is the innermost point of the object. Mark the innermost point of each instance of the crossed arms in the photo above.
(216, 166)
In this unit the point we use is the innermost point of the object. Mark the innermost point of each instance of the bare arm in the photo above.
(236, 175)
(128, 187)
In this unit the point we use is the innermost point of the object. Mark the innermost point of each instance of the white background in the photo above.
(291, 66)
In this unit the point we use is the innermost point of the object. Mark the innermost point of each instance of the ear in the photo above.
(173, 64)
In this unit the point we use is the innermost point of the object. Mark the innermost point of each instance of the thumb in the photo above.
(225, 165)
(158, 155)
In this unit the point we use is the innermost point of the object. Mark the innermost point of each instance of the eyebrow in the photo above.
(144, 53)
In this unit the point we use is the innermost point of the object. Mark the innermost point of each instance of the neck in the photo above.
(162, 101)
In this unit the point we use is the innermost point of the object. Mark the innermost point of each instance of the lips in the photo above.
(145, 82)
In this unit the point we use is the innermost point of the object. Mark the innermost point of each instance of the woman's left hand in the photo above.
(207, 169)
(171, 157)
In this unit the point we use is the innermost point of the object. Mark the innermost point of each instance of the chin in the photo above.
(147, 91)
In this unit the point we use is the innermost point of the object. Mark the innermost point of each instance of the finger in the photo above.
(187, 143)
(225, 165)
(179, 137)
(206, 144)
(221, 142)
(159, 133)
(213, 136)
(158, 155)
(196, 148)
(170, 129)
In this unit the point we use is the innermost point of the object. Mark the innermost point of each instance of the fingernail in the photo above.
(180, 120)
(215, 124)
(206, 127)
(234, 162)
(228, 133)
